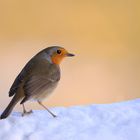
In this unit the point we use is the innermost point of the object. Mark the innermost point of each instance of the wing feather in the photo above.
(21, 78)
(36, 86)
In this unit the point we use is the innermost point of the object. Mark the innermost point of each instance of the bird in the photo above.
(37, 80)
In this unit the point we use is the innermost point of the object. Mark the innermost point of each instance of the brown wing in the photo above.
(37, 85)
(36, 76)
(20, 78)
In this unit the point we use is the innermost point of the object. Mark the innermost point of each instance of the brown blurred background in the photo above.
(104, 35)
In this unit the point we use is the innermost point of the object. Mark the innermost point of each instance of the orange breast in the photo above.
(56, 59)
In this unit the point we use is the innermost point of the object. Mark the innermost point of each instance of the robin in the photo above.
(37, 80)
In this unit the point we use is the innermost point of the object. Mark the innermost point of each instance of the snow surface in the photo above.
(118, 121)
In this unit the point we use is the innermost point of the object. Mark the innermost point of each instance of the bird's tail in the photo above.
(10, 107)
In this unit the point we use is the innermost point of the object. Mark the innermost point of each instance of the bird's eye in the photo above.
(59, 51)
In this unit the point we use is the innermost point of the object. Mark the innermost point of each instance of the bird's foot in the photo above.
(26, 113)
(54, 115)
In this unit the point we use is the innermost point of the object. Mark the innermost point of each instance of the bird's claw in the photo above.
(54, 116)
(27, 113)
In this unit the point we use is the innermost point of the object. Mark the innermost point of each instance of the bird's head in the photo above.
(56, 54)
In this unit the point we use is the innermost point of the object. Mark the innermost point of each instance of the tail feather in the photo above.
(10, 107)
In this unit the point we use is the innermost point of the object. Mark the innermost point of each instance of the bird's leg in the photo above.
(26, 112)
(47, 109)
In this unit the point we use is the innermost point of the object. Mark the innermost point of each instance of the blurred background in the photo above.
(104, 35)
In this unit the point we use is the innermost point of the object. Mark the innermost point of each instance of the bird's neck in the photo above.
(51, 60)
(46, 57)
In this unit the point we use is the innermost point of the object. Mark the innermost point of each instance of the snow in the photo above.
(118, 121)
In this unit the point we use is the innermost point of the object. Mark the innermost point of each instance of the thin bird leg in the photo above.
(47, 109)
(25, 112)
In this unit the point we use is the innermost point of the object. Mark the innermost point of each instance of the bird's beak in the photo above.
(70, 54)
